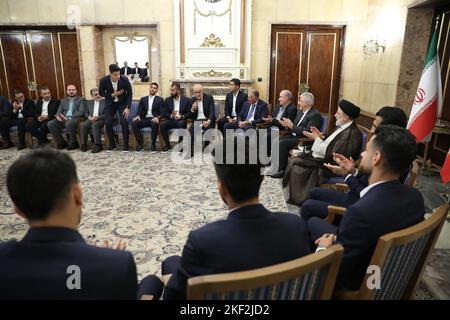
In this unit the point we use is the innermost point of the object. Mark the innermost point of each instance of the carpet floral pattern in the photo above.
(142, 198)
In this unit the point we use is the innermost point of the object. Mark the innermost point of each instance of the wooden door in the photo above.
(44, 57)
(310, 54)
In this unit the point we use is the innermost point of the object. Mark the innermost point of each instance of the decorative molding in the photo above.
(212, 42)
(242, 73)
(242, 42)
(212, 74)
(212, 13)
(130, 37)
(182, 39)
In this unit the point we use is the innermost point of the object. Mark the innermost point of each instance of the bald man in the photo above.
(71, 109)
(202, 112)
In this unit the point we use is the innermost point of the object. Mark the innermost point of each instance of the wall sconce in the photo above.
(372, 47)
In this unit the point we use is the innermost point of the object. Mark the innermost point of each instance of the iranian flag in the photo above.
(428, 101)
(445, 171)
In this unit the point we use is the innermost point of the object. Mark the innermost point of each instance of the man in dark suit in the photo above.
(320, 198)
(126, 70)
(71, 110)
(22, 109)
(307, 117)
(150, 111)
(116, 90)
(233, 103)
(252, 113)
(5, 110)
(136, 70)
(46, 109)
(202, 113)
(176, 111)
(53, 261)
(95, 119)
(145, 73)
(285, 109)
(386, 205)
(250, 237)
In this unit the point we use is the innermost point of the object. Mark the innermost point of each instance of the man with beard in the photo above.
(385, 206)
(176, 111)
(71, 109)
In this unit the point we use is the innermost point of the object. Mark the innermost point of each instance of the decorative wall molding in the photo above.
(212, 42)
(212, 74)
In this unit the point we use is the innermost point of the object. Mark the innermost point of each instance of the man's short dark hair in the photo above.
(113, 68)
(39, 181)
(393, 115)
(236, 82)
(43, 88)
(155, 84)
(17, 91)
(242, 180)
(397, 146)
(176, 85)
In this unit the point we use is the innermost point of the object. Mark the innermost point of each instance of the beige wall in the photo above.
(368, 81)
(371, 81)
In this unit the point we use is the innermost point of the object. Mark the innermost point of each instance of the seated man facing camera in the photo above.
(53, 261)
(250, 237)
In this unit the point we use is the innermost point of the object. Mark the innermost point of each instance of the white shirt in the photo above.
(320, 146)
(96, 106)
(126, 71)
(280, 112)
(233, 111)
(20, 115)
(45, 108)
(176, 106)
(370, 186)
(301, 119)
(114, 84)
(150, 104)
(201, 114)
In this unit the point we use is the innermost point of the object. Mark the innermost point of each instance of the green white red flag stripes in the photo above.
(428, 100)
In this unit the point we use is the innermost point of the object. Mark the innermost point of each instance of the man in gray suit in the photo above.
(307, 117)
(71, 109)
(95, 114)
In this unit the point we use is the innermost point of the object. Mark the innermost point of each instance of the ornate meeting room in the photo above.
(224, 150)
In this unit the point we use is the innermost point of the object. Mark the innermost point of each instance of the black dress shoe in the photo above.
(83, 148)
(7, 146)
(62, 145)
(111, 148)
(166, 149)
(20, 147)
(139, 148)
(97, 148)
(153, 148)
(73, 146)
(278, 175)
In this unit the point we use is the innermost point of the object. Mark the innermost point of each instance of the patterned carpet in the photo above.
(143, 198)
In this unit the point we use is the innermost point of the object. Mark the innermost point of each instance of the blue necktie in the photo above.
(250, 112)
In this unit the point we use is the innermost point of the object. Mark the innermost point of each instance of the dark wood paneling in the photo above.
(51, 56)
(288, 51)
(314, 59)
(320, 69)
(68, 47)
(44, 60)
(14, 63)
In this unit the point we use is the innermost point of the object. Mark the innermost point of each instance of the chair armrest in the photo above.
(344, 294)
(342, 187)
(333, 211)
(261, 125)
(147, 297)
(302, 141)
(284, 133)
